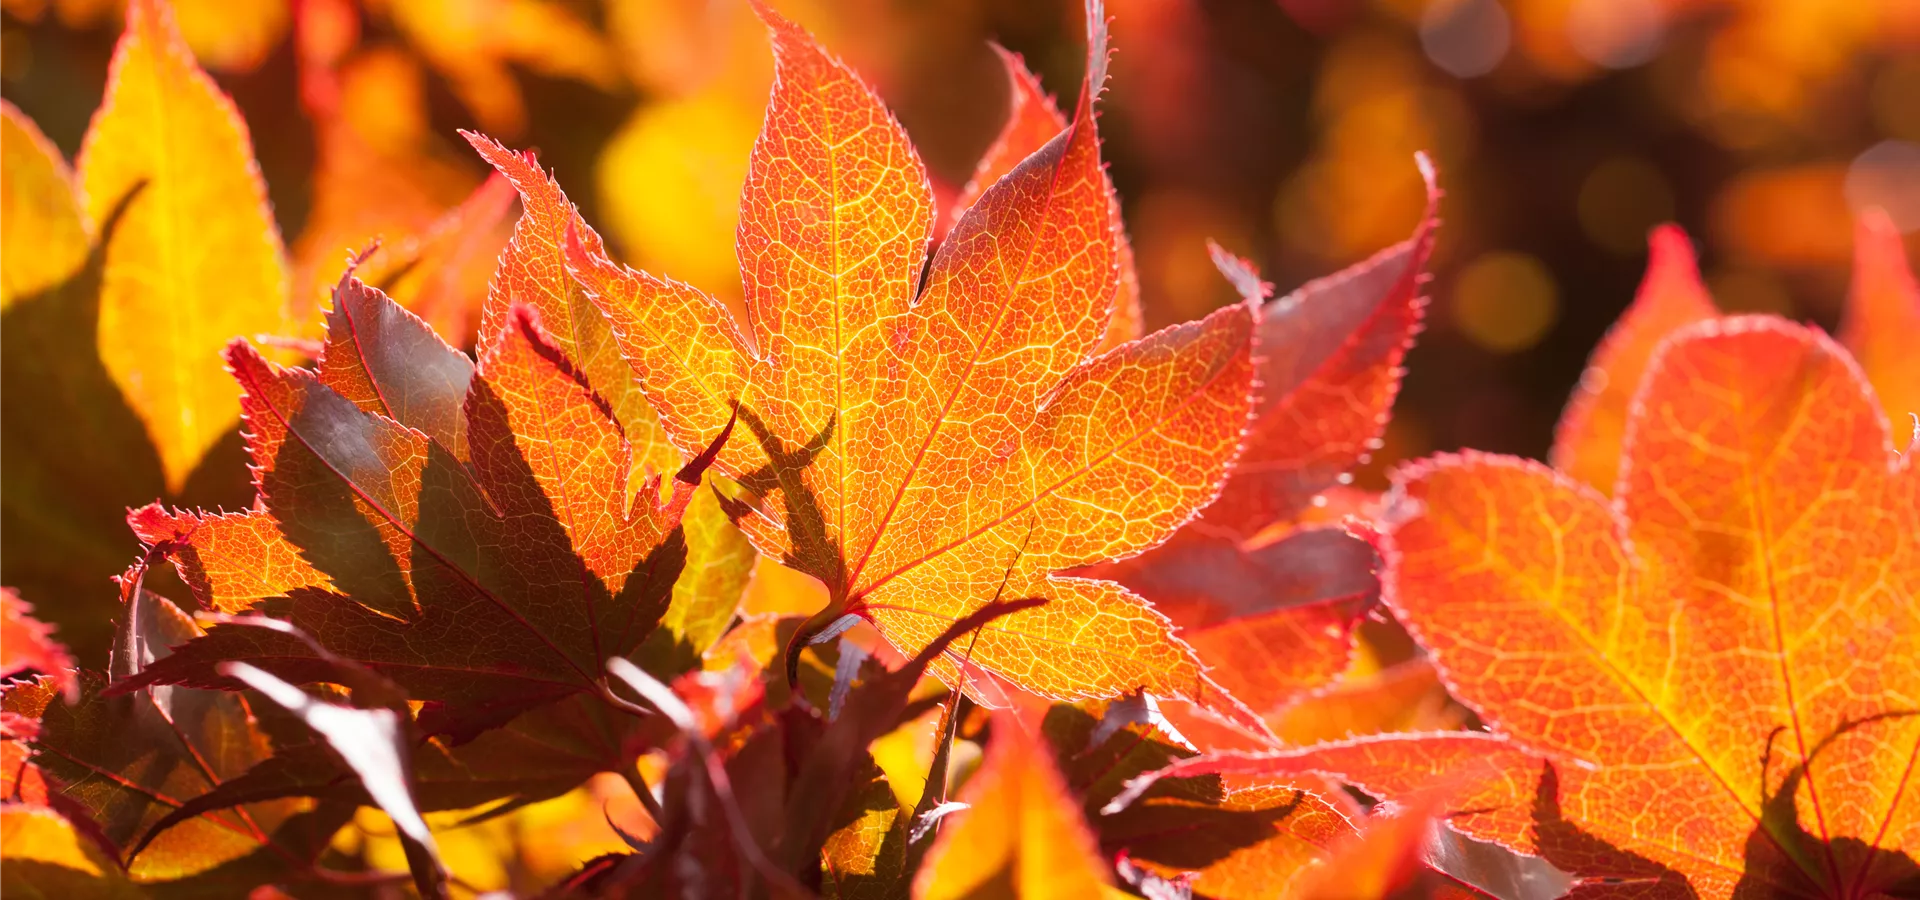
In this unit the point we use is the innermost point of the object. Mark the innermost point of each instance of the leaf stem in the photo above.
(632, 774)
(618, 702)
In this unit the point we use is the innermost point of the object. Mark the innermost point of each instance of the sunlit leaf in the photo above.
(1021, 835)
(125, 762)
(45, 856)
(1587, 442)
(488, 583)
(1883, 313)
(196, 260)
(1731, 630)
(47, 236)
(27, 645)
(924, 451)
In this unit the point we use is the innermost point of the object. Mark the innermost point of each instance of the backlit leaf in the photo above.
(1713, 667)
(196, 261)
(1586, 444)
(1329, 372)
(533, 271)
(1882, 309)
(1274, 618)
(127, 761)
(46, 856)
(1032, 121)
(374, 743)
(1482, 782)
(47, 236)
(488, 584)
(1268, 601)
(1231, 837)
(924, 451)
(1022, 834)
(1883, 315)
(29, 646)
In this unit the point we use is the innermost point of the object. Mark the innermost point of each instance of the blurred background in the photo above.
(1285, 129)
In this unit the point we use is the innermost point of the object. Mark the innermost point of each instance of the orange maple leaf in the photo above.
(1705, 686)
(464, 530)
(119, 764)
(1021, 834)
(1032, 121)
(1882, 308)
(925, 443)
(1267, 592)
(27, 645)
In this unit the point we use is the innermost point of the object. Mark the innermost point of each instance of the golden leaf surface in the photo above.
(1882, 309)
(46, 238)
(924, 450)
(1022, 834)
(1717, 664)
(196, 259)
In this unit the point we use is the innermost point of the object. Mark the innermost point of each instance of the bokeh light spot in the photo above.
(1887, 175)
(1504, 301)
(1618, 34)
(1467, 38)
(1620, 201)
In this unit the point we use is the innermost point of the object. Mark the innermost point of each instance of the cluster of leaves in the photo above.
(1678, 663)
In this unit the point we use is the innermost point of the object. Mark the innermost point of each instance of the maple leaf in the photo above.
(1225, 837)
(169, 303)
(1021, 834)
(542, 753)
(119, 764)
(922, 451)
(1472, 779)
(465, 531)
(47, 856)
(374, 743)
(1032, 121)
(533, 271)
(1884, 303)
(126, 384)
(1587, 440)
(29, 646)
(1702, 686)
(1265, 589)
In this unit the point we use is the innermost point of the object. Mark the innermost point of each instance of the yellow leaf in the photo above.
(232, 35)
(46, 857)
(196, 259)
(46, 238)
(1022, 835)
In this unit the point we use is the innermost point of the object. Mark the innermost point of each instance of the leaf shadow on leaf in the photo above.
(890, 874)
(813, 550)
(1563, 844)
(329, 531)
(1770, 872)
(1180, 823)
(74, 456)
(464, 558)
(648, 586)
(806, 523)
